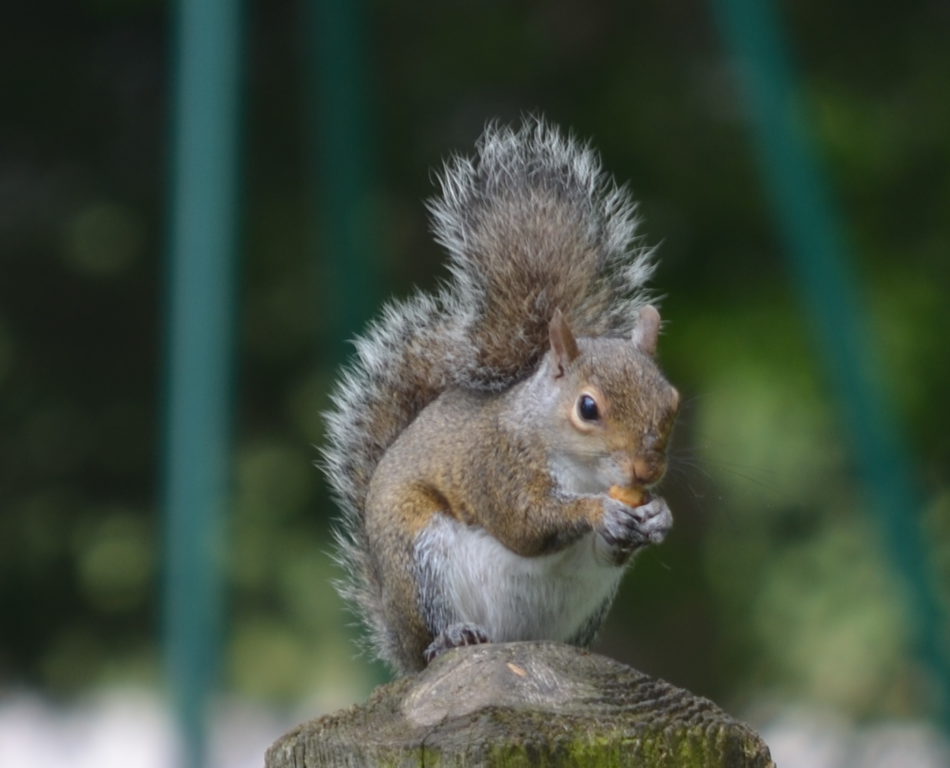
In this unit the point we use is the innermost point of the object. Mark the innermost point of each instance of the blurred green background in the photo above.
(775, 586)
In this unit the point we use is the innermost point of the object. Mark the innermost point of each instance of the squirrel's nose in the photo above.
(648, 468)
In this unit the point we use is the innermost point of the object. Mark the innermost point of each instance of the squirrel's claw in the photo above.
(455, 636)
(627, 528)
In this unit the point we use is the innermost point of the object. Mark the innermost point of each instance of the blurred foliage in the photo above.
(774, 582)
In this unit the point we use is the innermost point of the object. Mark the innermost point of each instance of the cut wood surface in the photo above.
(525, 704)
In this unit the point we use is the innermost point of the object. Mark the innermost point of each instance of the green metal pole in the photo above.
(343, 162)
(200, 334)
(826, 281)
(342, 159)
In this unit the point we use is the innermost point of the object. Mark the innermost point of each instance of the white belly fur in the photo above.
(549, 597)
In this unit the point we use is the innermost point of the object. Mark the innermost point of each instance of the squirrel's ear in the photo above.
(563, 343)
(647, 330)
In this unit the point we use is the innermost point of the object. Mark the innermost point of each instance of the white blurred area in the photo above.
(127, 728)
(809, 737)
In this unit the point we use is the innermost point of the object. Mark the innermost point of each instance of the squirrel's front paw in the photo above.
(455, 636)
(626, 528)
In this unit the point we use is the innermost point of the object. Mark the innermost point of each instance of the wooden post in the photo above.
(525, 704)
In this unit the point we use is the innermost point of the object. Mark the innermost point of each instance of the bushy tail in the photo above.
(531, 224)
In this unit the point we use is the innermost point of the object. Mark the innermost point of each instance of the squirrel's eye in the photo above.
(587, 408)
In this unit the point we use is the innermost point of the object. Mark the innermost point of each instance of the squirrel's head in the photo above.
(609, 409)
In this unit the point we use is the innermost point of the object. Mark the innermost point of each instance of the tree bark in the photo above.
(525, 704)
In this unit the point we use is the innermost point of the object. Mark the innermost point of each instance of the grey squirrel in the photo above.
(494, 445)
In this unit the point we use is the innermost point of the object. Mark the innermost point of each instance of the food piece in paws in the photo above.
(631, 496)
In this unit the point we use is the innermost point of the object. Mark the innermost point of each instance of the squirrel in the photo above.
(494, 444)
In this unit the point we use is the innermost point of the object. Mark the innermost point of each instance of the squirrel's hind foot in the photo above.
(455, 636)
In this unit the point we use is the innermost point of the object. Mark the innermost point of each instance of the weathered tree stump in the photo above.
(525, 704)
